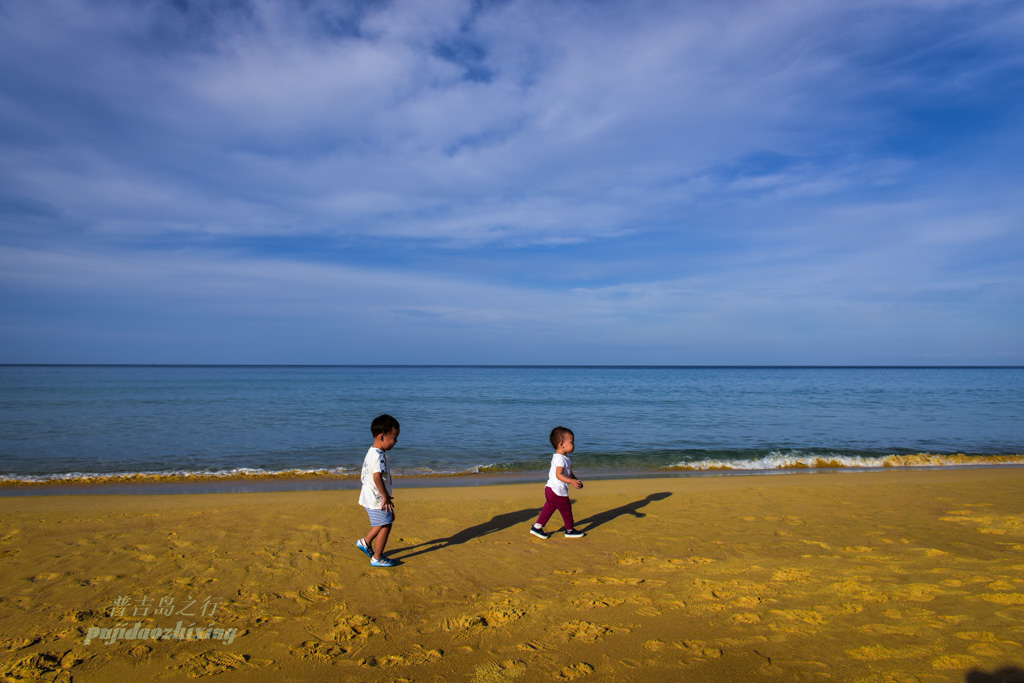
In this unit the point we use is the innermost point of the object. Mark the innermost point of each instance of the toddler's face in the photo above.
(568, 444)
(388, 440)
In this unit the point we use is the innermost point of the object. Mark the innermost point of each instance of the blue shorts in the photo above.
(380, 517)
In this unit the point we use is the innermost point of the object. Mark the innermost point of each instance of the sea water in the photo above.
(87, 423)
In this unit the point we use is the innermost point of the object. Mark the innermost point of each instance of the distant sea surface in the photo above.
(102, 423)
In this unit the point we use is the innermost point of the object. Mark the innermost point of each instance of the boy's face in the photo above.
(388, 440)
(568, 444)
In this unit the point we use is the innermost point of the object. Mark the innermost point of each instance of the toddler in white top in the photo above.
(560, 478)
(375, 494)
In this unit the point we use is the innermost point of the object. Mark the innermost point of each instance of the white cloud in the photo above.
(701, 165)
(581, 100)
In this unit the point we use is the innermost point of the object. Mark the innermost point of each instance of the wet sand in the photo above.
(904, 575)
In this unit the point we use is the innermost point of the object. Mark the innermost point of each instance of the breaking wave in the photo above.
(778, 460)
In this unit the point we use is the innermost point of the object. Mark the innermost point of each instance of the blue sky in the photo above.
(446, 181)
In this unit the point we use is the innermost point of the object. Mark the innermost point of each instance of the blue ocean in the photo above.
(102, 423)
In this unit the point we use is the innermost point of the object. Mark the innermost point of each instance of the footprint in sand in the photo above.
(599, 602)
(354, 627)
(465, 623)
(40, 665)
(214, 662)
(747, 618)
(701, 649)
(575, 671)
(498, 616)
(748, 601)
(852, 588)
(421, 655)
(314, 649)
(493, 672)
(804, 616)
(18, 643)
(141, 651)
(382, 661)
(790, 575)
(315, 593)
(502, 616)
(587, 632)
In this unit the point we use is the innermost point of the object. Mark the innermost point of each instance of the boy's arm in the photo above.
(378, 480)
(559, 474)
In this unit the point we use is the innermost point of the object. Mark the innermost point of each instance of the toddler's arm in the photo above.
(560, 473)
(388, 500)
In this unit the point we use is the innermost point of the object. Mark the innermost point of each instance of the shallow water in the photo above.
(84, 422)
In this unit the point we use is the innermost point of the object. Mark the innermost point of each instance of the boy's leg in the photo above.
(380, 534)
(564, 506)
(548, 509)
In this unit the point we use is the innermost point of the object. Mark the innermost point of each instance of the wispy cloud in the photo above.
(678, 174)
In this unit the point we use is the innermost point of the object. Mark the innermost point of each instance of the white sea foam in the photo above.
(234, 473)
(773, 461)
(778, 460)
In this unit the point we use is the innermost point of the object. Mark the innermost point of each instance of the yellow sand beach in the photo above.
(904, 575)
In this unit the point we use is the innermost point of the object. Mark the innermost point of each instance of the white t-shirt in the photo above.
(557, 486)
(376, 460)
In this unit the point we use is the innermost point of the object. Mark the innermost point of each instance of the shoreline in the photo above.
(289, 481)
(910, 574)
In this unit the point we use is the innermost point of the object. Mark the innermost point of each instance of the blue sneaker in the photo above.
(361, 544)
(382, 562)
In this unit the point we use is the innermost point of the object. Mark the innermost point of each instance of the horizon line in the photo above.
(511, 365)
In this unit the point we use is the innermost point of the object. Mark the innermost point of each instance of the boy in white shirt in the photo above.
(375, 495)
(560, 477)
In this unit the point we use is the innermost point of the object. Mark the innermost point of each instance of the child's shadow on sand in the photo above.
(511, 519)
(496, 523)
(594, 521)
(1007, 674)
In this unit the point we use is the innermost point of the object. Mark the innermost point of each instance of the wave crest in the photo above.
(778, 460)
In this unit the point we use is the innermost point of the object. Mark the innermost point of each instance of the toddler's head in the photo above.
(563, 440)
(385, 431)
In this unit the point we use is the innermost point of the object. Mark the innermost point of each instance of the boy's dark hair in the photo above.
(383, 424)
(558, 434)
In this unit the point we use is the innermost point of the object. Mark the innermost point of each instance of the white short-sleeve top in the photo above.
(557, 486)
(375, 461)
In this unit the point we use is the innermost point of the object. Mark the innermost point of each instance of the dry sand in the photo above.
(891, 576)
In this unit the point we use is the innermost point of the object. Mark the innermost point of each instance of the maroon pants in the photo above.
(556, 502)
